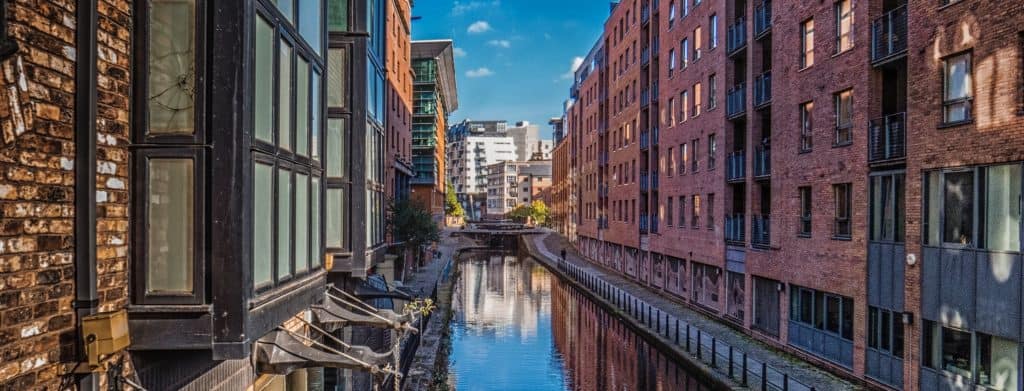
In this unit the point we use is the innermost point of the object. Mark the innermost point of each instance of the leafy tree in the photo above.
(452, 207)
(520, 213)
(539, 212)
(412, 225)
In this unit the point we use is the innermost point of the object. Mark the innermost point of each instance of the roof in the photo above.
(441, 51)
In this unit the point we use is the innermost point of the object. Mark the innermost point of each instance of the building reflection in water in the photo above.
(517, 327)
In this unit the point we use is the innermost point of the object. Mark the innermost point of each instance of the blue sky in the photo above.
(513, 57)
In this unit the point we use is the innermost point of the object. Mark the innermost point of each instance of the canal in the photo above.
(519, 327)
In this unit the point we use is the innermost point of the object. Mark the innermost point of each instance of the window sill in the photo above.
(803, 235)
(805, 68)
(804, 151)
(849, 49)
(948, 125)
(951, 4)
(842, 238)
(842, 144)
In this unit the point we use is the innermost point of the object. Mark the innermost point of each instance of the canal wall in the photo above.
(696, 368)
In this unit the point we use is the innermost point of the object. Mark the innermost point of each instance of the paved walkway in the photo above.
(671, 319)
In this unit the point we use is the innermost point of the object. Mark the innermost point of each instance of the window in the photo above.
(806, 126)
(807, 43)
(971, 355)
(684, 53)
(671, 161)
(953, 196)
(712, 149)
(822, 310)
(684, 105)
(712, 92)
(669, 220)
(805, 211)
(885, 331)
(713, 31)
(682, 158)
(844, 25)
(842, 196)
(682, 211)
(957, 87)
(887, 208)
(671, 61)
(693, 154)
(696, 99)
(711, 211)
(696, 43)
(695, 220)
(672, 13)
(844, 117)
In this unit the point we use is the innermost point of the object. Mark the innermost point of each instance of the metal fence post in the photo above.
(714, 353)
(730, 361)
(785, 382)
(764, 376)
(698, 344)
(677, 331)
(744, 377)
(687, 337)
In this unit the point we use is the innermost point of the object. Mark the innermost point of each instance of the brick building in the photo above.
(434, 98)
(209, 187)
(864, 214)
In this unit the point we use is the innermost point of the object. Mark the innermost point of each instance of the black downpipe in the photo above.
(86, 300)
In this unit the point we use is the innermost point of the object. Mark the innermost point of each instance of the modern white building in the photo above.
(472, 146)
(510, 184)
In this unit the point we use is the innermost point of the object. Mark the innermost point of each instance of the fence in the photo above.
(706, 348)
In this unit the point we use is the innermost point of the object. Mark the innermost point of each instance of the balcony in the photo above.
(644, 184)
(887, 138)
(763, 89)
(645, 140)
(736, 38)
(762, 19)
(736, 101)
(643, 224)
(760, 230)
(654, 223)
(645, 14)
(654, 181)
(645, 56)
(602, 159)
(762, 162)
(735, 231)
(602, 191)
(889, 36)
(736, 166)
(645, 98)
(654, 46)
(654, 136)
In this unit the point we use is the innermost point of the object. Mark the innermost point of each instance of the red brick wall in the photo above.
(399, 95)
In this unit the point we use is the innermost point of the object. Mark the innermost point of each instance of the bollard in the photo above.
(764, 376)
(743, 382)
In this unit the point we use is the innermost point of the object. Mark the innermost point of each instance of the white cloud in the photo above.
(480, 26)
(576, 62)
(479, 72)
(501, 43)
(460, 8)
(459, 52)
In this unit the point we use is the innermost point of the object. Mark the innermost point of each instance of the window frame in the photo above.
(898, 208)
(839, 141)
(806, 127)
(967, 101)
(842, 193)
(807, 45)
(839, 15)
(806, 211)
(979, 195)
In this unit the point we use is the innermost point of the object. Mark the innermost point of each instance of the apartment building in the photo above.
(434, 98)
(472, 147)
(864, 214)
(511, 184)
(563, 199)
(194, 195)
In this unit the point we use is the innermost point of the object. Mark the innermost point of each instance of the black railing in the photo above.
(762, 18)
(645, 140)
(736, 37)
(644, 184)
(643, 224)
(735, 231)
(645, 14)
(654, 136)
(736, 100)
(887, 138)
(645, 98)
(645, 56)
(654, 223)
(889, 35)
(763, 89)
(736, 166)
(760, 230)
(654, 181)
(762, 162)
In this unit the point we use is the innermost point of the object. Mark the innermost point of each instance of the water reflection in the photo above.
(517, 327)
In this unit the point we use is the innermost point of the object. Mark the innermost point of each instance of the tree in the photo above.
(412, 225)
(452, 207)
(539, 212)
(519, 214)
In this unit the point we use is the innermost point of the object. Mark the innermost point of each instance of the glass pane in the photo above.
(886, 331)
(263, 224)
(832, 314)
(806, 306)
(287, 8)
(958, 83)
(302, 107)
(263, 94)
(172, 71)
(311, 23)
(956, 352)
(934, 200)
(337, 166)
(959, 207)
(873, 327)
(302, 231)
(337, 71)
(316, 117)
(284, 223)
(997, 367)
(897, 335)
(284, 96)
(337, 15)
(1002, 207)
(314, 214)
(335, 208)
(847, 318)
(898, 207)
(877, 208)
(169, 232)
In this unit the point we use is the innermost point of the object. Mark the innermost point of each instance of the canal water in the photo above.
(519, 327)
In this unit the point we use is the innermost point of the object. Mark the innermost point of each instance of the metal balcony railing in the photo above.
(602, 191)
(654, 136)
(887, 137)
(643, 224)
(762, 162)
(654, 181)
(736, 38)
(645, 140)
(760, 230)
(644, 183)
(654, 46)
(645, 14)
(762, 18)
(889, 35)
(602, 159)
(736, 166)
(736, 101)
(654, 223)
(645, 98)
(763, 89)
(645, 56)
(735, 231)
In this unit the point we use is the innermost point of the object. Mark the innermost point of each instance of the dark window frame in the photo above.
(898, 207)
(819, 314)
(806, 211)
(842, 227)
(8, 46)
(967, 101)
(841, 128)
(891, 344)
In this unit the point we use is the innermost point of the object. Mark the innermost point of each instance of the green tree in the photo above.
(452, 207)
(412, 225)
(539, 212)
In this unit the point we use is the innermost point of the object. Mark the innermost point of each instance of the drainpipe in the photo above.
(86, 299)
